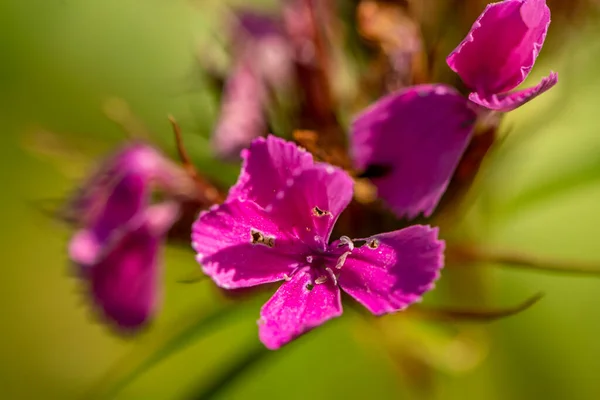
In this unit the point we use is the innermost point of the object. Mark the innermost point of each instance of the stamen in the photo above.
(342, 260)
(321, 279)
(287, 278)
(309, 259)
(332, 275)
(345, 240)
(373, 244)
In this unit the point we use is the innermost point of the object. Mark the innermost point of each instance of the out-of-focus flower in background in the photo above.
(117, 246)
(262, 67)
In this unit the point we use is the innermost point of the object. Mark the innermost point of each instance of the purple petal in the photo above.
(312, 202)
(393, 270)
(502, 46)
(419, 134)
(268, 164)
(128, 198)
(252, 24)
(297, 307)
(84, 248)
(122, 205)
(240, 245)
(124, 282)
(509, 101)
(242, 116)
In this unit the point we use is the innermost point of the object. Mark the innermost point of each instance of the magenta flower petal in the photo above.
(268, 165)
(116, 194)
(124, 282)
(297, 307)
(312, 202)
(502, 46)
(393, 270)
(418, 135)
(240, 245)
(84, 248)
(126, 200)
(509, 101)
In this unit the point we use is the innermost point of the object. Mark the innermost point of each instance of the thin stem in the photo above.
(208, 190)
(472, 254)
(473, 315)
(183, 155)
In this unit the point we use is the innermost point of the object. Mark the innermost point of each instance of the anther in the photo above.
(257, 237)
(321, 279)
(345, 240)
(342, 260)
(317, 212)
(373, 244)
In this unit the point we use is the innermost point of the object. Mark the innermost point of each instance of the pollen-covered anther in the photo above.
(373, 244)
(257, 237)
(342, 260)
(317, 212)
(321, 279)
(345, 240)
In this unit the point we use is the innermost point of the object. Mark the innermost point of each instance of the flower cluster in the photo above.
(276, 222)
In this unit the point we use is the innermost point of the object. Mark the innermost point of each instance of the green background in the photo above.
(60, 61)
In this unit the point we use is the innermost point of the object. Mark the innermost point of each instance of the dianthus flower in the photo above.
(276, 226)
(118, 244)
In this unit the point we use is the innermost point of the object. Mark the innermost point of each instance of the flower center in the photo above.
(329, 263)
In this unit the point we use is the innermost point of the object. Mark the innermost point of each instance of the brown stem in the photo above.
(468, 254)
(208, 190)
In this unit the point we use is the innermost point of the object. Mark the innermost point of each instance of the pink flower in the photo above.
(263, 65)
(499, 52)
(117, 246)
(276, 226)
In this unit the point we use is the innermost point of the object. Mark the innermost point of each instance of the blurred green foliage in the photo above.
(62, 60)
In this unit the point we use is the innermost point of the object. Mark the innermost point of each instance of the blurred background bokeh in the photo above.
(71, 71)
